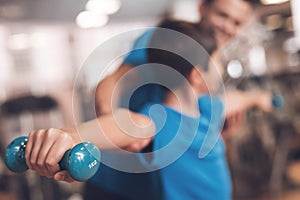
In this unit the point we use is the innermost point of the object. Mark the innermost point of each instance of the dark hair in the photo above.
(190, 48)
(251, 2)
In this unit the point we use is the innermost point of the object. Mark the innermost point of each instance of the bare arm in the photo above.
(241, 101)
(238, 102)
(283, 8)
(110, 91)
(45, 148)
(105, 89)
(119, 129)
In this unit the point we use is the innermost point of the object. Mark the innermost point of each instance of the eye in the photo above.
(222, 14)
(237, 23)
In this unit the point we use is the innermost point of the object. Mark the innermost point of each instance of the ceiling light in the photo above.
(89, 19)
(235, 69)
(267, 2)
(186, 10)
(257, 60)
(103, 6)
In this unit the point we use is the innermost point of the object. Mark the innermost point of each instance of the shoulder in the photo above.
(144, 39)
(209, 104)
(138, 54)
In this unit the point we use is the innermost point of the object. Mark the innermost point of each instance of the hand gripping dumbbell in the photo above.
(81, 162)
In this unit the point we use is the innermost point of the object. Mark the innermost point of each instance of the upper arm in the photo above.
(107, 94)
(104, 90)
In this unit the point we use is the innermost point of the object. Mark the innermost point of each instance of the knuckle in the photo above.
(50, 132)
(39, 134)
(30, 134)
(32, 161)
(40, 164)
(50, 163)
(65, 137)
(33, 134)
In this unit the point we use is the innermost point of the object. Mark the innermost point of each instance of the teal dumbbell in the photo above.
(82, 161)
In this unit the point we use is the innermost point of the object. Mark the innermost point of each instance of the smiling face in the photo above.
(225, 17)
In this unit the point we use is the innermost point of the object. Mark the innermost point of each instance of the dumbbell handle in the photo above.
(21, 155)
(82, 162)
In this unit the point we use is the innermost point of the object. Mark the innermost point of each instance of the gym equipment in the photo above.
(82, 161)
(277, 101)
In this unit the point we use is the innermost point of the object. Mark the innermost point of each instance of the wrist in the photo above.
(73, 133)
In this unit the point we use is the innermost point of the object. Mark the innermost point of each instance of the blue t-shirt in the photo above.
(134, 186)
(130, 186)
(178, 140)
(138, 54)
(214, 182)
(146, 93)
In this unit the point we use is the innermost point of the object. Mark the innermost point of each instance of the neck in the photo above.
(204, 25)
(184, 101)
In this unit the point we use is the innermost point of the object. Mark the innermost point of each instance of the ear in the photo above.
(196, 77)
(201, 8)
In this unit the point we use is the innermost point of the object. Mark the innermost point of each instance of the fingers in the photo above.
(39, 154)
(63, 176)
(266, 102)
(56, 153)
(28, 151)
(46, 167)
(44, 150)
(232, 123)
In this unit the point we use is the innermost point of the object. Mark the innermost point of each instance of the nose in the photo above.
(229, 28)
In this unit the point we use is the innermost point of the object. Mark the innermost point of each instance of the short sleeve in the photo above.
(138, 54)
(212, 118)
(149, 160)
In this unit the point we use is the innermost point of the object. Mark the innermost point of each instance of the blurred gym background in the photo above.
(44, 43)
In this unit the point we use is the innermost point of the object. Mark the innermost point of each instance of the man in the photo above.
(225, 18)
(220, 18)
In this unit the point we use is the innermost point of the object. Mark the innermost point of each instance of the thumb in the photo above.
(63, 176)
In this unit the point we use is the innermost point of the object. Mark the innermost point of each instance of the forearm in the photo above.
(240, 101)
(118, 129)
(259, 99)
(46, 147)
(249, 100)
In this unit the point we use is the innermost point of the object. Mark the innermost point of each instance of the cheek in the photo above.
(216, 21)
